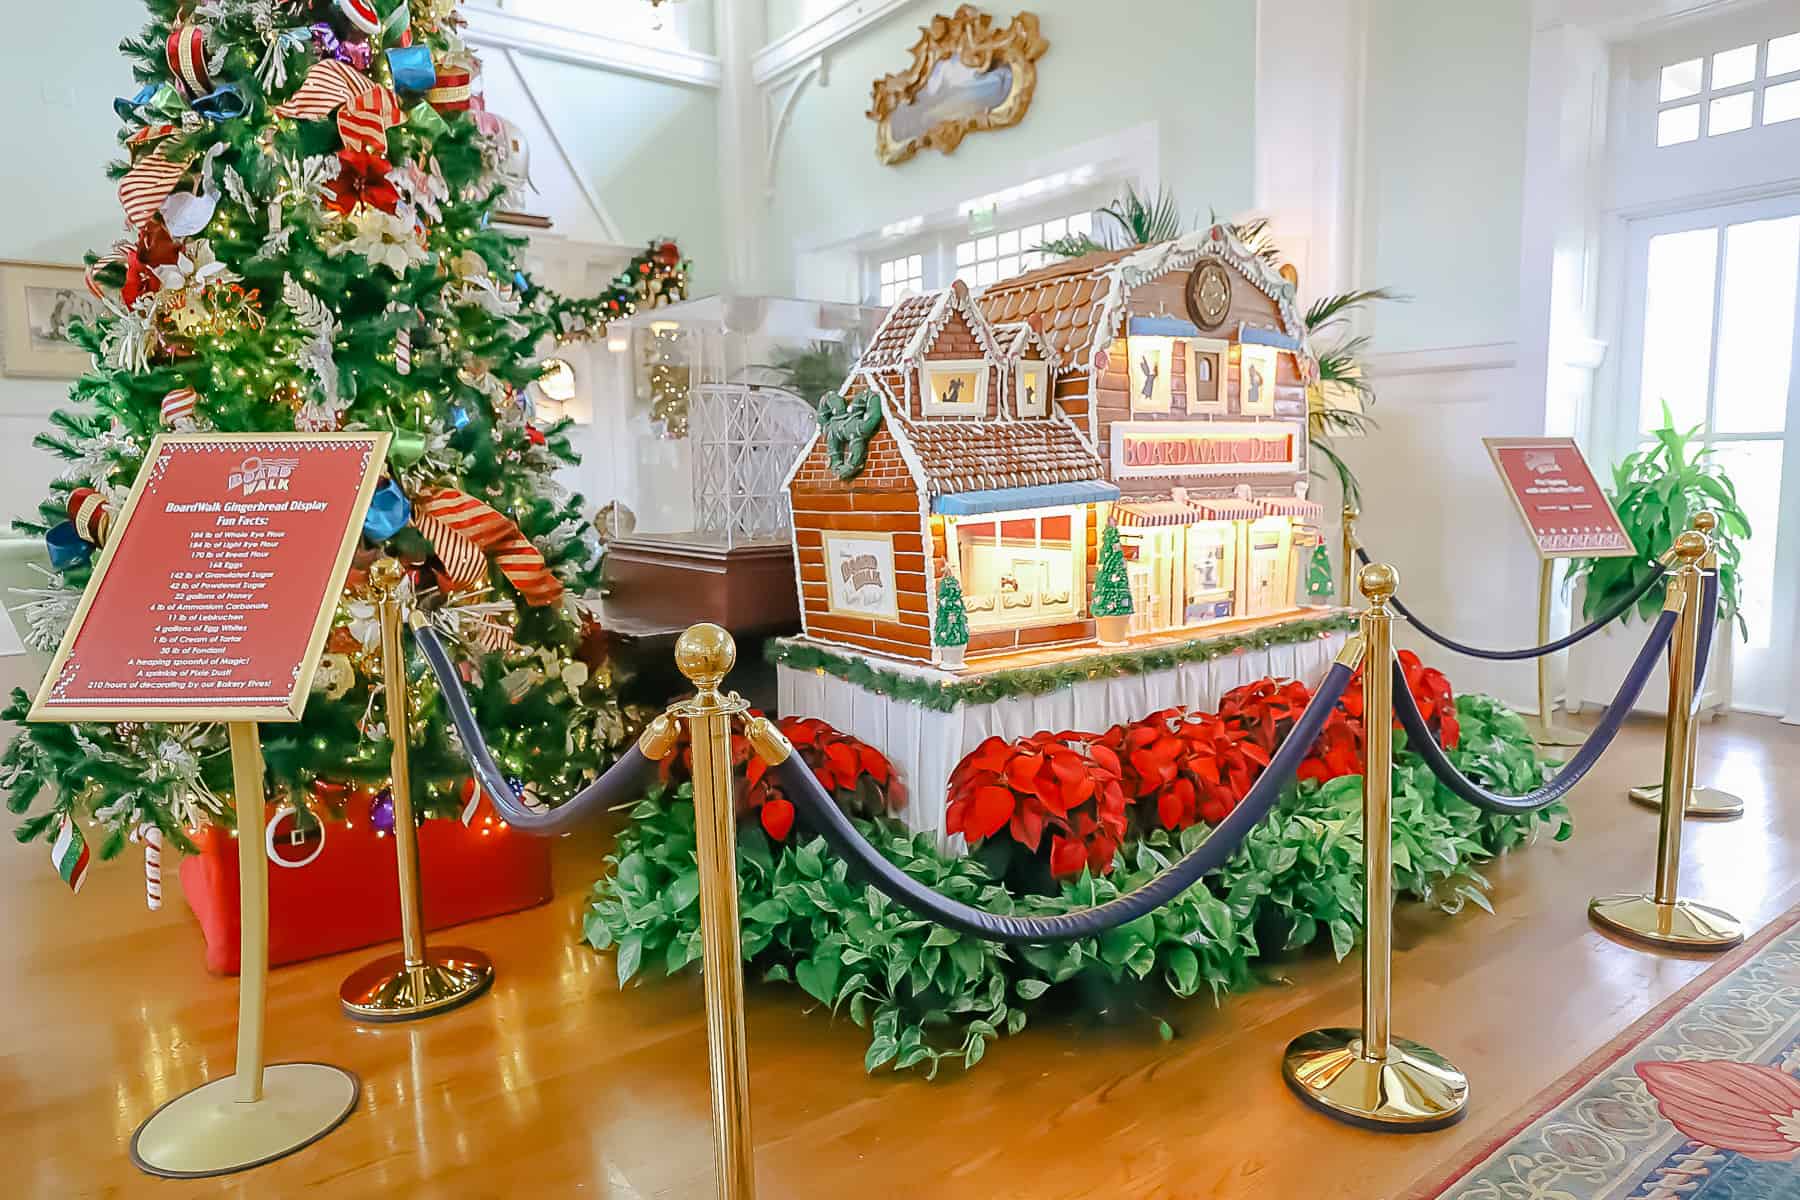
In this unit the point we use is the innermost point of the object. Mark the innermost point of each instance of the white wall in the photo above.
(1184, 67)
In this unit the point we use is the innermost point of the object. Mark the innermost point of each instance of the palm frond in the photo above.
(1329, 310)
(1146, 220)
(1072, 245)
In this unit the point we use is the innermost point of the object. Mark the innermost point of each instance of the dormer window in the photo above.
(1031, 389)
(955, 387)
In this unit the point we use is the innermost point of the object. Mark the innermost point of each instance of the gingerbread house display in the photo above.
(1162, 389)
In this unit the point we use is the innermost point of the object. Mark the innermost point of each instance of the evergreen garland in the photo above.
(944, 696)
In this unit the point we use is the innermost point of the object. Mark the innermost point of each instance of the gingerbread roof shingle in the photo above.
(895, 334)
(979, 456)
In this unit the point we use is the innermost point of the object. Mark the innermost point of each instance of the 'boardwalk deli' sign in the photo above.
(1177, 448)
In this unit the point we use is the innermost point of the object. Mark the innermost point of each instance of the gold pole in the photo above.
(1707, 803)
(705, 654)
(1367, 1076)
(1662, 917)
(1348, 596)
(418, 981)
(261, 1112)
(1544, 730)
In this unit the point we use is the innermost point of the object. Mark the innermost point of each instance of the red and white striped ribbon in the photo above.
(147, 185)
(329, 84)
(464, 563)
(513, 553)
(186, 53)
(363, 122)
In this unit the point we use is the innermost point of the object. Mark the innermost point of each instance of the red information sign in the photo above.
(1559, 498)
(216, 589)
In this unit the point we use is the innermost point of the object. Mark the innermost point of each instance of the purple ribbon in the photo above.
(357, 54)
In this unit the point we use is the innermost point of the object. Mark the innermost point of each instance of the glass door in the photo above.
(1714, 339)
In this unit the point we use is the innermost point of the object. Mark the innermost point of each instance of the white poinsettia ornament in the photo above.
(384, 239)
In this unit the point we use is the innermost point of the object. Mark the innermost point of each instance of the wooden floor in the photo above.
(558, 1084)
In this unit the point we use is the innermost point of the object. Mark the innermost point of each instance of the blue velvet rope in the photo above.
(1420, 740)
(797, 780)
(623, 782)
(1562, 643)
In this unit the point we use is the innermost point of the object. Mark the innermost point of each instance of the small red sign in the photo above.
(217, 587)
(1559, 498)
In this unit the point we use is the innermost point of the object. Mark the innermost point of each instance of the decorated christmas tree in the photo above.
(309, 187)
(952, 627)
(1320, 586)
(1112, 585)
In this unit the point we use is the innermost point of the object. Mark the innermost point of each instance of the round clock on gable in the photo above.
(1209, 295)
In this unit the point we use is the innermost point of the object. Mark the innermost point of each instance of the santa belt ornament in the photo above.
(364, 121)
(454, 90)
(362, 14)
(513, 553)
(91, 514)
(186, 52)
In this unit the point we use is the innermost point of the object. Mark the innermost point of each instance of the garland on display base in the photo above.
(927, 995)
(943, 695)
(310, 197)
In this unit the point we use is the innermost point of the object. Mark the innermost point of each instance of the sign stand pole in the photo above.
(416, 982)
(1544, 729)
(260, 1113)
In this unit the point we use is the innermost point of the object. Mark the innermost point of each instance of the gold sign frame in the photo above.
(970, 37)
(296, 705)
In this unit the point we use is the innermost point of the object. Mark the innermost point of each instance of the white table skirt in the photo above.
(925, 746)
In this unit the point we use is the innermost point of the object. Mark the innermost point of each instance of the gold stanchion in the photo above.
(1662, 917)
(1706, 803)
(260, 1113)
(705, 654)
(1347, 593)
(418, 981)
(1544, 729)
(1367, 1076)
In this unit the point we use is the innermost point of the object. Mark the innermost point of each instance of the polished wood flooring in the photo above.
(558, 1084)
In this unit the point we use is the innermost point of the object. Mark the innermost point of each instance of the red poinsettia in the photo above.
(362, 179)
(1053, 782)
(857, 775)
(1266, 710)
(1430, 690)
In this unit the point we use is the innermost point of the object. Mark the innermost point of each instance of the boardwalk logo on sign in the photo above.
(1200, 448)
(859, 571)
(262, 475)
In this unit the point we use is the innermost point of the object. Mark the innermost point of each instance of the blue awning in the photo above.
(1164, 326)
(1258, 336)
(1048, 495)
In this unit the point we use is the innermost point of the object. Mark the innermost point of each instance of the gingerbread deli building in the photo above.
(1161, 388)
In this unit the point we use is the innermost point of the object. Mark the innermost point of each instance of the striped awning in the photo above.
(1152, 514)
(1292, 506)
(1226, 509)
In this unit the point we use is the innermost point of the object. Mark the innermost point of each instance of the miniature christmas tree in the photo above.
(310, 186)
(952, 627)
(1320, 586)
(1112, 585)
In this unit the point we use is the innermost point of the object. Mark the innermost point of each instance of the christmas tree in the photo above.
(952, 627)
(309, 186)
(1112, 586)
(1320, 586)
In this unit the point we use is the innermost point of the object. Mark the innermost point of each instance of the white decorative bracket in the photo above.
(779, 98)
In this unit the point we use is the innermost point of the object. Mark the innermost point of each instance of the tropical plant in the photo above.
(1339, 400)
(809, 373)
(1138, 220)
(1656, 491)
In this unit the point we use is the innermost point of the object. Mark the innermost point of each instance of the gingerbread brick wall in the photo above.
(882, 499)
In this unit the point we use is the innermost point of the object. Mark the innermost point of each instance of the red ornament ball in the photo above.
(668, 254)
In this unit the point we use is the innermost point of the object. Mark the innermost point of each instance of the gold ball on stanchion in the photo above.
(705, 654)
(1705, 521)
(1378, 582)
(1690, 545)
(386, 573)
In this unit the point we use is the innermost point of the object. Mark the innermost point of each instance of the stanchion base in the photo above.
(1706, 803)
(1413, 1090)
(209, 1132)
(1681, 925)
(388, 990)
(1553, 734)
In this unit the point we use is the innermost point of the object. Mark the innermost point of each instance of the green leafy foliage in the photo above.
(1656, 491)
(927, 996)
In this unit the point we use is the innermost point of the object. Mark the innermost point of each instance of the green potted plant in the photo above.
(1111, 603)
(950, 632)
(1656, 491)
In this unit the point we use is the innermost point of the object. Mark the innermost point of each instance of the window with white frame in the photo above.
(902, 277)
(991, 257)
(1729, 91)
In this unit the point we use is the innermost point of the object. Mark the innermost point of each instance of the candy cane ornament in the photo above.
(152, 837)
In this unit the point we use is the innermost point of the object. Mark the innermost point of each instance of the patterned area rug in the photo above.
(1700, 1100)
